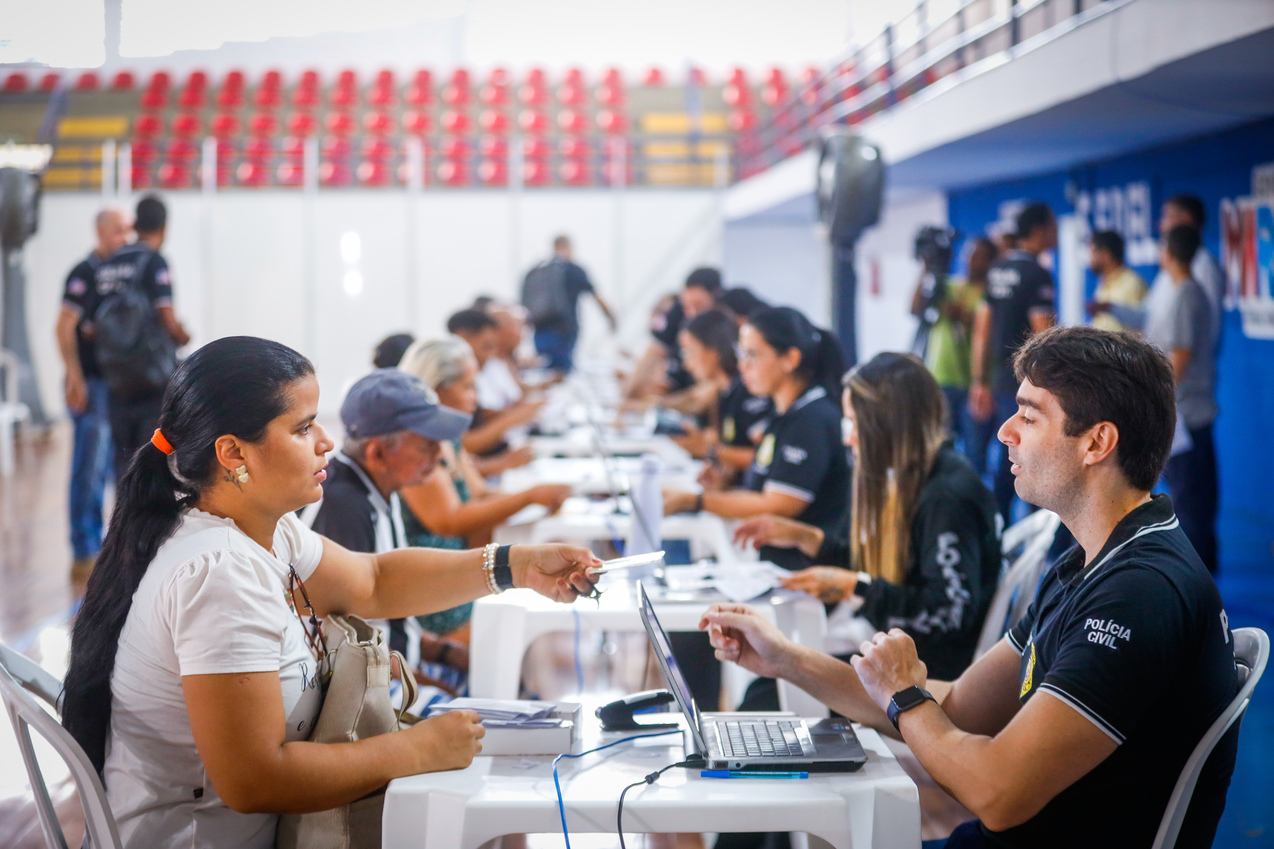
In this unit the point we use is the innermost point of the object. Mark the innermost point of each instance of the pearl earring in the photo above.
(242, 472)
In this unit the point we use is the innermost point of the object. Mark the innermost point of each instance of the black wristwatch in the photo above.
(503, 573)
(905, 700)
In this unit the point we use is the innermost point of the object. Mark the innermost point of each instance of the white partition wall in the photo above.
(331, 273)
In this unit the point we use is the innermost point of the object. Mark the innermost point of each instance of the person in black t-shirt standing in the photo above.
(140, 264)
(1019, 302)
(555, 338)
(86, 395)
(1074, 729)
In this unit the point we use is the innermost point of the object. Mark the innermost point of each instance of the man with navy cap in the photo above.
(393, 426)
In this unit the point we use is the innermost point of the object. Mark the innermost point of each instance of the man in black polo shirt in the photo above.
(1073, 730)
(1019, 301)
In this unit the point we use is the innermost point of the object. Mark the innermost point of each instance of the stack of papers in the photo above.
(505, 713)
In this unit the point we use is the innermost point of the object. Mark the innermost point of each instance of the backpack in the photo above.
(134, 351)
(544, 294)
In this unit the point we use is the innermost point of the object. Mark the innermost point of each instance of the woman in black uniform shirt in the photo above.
(800, 470)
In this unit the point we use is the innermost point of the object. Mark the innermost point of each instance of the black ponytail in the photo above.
(822, 361)
(236, 385)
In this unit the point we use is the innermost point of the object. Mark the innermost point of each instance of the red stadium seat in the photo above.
(533, 122)
(453, 173)
(494, 95)
(15, 82)
(455, 95)
(258, 149)
(347, 79)
(186, 125)
(305, 98)
(293, 147)
(385, 78)
(373, 173)
(147, 126)
(572, 121)
(742, 120)
(696, 77)
(574, 76)
(533, 95)
(340, 123)
(123, 81)
(736, 94)
(612, 122)
(224, 125)
(272, 80)
(613, 77)
(572, 147)
(499, 77)
(174, 175)
(343, 97)
(49, 81)
(610, 94)
(302, 124)
(493, 122)
(336, 149)
(267, 98)
(536, 77)
(378, 123)
(460, 77)
(309, 79)
(378, 149)
(493, 147)
(454, 148)
(737, 75)
(290, 174)
(141, 176)
(535, 173)
(197, 80)
(654, 77)
(229, 97)
(180, 150)
(333, 174)
(773, 93)
(493, 172)
(252, 174)
(455, 121)
(571, 94)
(143, 151)
(536, 148)
(382, 97)
(417, 123)
(87, 81)
(233, 80)
(192, 98)
(154, 99)
(574, 173)
(263, 125)
(160, 81)
(419, 94)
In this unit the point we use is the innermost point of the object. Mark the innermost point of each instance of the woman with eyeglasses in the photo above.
(193, 684)
(800, 470)
(919, 549)
(734, 419)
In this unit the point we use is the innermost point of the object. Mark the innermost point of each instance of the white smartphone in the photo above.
(627, 562)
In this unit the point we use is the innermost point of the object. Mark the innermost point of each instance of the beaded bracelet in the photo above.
(488, 567)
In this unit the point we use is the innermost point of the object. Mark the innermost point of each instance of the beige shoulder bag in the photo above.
(356, 706)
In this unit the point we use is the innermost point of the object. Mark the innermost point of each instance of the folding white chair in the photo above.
(1251, 651)
(12, 411)
(1033, 535)
(16, 678)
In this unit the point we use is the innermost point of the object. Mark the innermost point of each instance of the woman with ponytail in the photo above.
(800, 470)
(193, 681)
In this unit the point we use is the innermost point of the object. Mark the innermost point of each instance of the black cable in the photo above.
(690, 762)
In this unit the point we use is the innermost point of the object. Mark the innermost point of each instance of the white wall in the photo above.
(269, 263)
(784, 262)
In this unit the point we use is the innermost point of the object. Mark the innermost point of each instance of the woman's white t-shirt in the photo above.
(211, 602)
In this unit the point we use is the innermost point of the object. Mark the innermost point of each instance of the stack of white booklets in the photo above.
(522, 727)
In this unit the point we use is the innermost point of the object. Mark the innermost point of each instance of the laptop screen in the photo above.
(668, 663)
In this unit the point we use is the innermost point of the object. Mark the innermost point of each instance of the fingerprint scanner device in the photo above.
(620, 715)
(752, 742)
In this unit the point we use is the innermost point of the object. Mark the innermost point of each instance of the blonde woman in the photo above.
(922, 538)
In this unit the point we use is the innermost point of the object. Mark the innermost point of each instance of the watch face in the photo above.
(910, 697)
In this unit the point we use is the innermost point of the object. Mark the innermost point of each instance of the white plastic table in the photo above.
(877, 807)
(594, 476)
(582, 442)
(503, 626)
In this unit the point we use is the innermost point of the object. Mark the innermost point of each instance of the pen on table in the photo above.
(729, 773)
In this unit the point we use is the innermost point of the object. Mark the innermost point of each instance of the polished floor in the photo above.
(37, 601)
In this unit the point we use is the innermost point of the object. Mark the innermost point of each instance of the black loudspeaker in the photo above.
(851, 185)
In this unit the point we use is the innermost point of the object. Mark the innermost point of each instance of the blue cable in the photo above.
(561, 806)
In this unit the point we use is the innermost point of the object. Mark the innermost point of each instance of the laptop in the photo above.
(752, 742)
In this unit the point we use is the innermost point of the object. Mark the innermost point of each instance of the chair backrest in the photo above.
(26, 713)
(1033, 535)
(1251, 652)
(32, 676)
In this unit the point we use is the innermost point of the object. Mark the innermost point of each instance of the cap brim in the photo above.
(436, 422)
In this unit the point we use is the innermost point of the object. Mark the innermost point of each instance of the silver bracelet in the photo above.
(488, 567)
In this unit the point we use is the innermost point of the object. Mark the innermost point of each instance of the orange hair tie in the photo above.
(157, 439)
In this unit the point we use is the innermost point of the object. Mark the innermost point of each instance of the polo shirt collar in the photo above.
(1018, 253)
(1153, 516)
(390, 533)
(811, 395)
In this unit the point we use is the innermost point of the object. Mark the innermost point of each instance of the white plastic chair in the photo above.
(1033, 535)
(16, 678)
(1251, 651)
(12, 411)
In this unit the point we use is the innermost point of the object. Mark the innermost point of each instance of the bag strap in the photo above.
(410, 690)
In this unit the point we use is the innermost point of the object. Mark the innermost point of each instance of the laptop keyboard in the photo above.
(774, 738)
